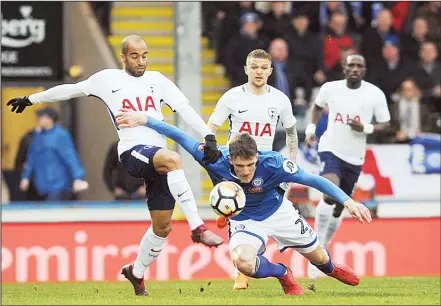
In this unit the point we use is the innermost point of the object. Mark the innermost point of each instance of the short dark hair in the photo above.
(128, 40)
(243, 145)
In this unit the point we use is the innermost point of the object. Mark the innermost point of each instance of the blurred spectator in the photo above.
(411, 42)
(120, 183)
(31, 193)
(230, 25)
(399, 11)
(374, 37)
(52, 162)
(213, 15)
(336, 38)
(428, 76)
(391, 70)
(240, 45)
(102, 11)
(336, 73)
(278, 49)
(305, 55)
(5, 191)
(320, 13)
(431, 11)
(409, 114)
(276, 22)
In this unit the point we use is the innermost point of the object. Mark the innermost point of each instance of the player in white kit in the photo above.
(256, 108)
(352, 104)
(143, 151)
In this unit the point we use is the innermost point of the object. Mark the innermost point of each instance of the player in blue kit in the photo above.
(267, 213)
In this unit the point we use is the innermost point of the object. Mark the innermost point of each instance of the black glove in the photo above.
(211, 153)
(19, 104)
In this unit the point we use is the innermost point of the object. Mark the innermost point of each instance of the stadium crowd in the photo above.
(401, 42)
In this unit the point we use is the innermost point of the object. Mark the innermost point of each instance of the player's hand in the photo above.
(356, 125)
(310, 140)
(358, 211)
(24, 185)
(129, 119)
(19, 104)
(211, 153)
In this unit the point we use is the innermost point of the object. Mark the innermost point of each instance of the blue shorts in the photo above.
(138, 161)
(348, 173)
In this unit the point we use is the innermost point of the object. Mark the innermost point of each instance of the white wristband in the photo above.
(310, 129)
(368, 128)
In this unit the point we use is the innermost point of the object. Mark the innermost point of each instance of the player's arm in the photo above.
(315, 112)
(56, 94)
(126, 119)
(291, 173)
(292, 142)
(289, 122)
(178, 102)
(220, 114)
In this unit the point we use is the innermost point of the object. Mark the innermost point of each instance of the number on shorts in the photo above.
(303, 228)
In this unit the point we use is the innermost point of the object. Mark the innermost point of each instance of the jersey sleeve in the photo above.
(288, 171)
(221, 111)
(171, 94)
(286, 115)
(381, 110)
(94, 84)
(321, 98)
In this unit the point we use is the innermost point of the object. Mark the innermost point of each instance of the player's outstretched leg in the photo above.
(247, 261)
(169, 162)
(322, 260)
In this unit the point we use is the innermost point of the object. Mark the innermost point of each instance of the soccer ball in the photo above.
(227, 199)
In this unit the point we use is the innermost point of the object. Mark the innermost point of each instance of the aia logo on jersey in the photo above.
(256, 129)
(272, 111)
(339, 117)
(201, 147)
(139, 104)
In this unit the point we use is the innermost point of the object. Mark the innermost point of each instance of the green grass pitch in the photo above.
(373, 291)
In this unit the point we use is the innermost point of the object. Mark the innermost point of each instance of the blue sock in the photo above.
(266, 268)
(328, 267)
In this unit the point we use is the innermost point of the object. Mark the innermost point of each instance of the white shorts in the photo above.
(285, 226)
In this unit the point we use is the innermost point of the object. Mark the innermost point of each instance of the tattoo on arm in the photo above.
(292, 142)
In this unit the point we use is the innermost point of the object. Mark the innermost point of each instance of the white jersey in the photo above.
(119, 90)
(256, 115)
(344, 103)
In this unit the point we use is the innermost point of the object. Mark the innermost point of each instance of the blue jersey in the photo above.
(263, 196)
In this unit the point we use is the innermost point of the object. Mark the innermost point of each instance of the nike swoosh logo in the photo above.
(156, 251)
(242, 111)
(179, 194)
(113, 91)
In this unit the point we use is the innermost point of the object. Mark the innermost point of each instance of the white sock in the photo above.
(332, 227)
(149, 248)
(181, 191)
(323, 214)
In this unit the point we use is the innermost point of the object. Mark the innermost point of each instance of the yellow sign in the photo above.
(14, 126)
